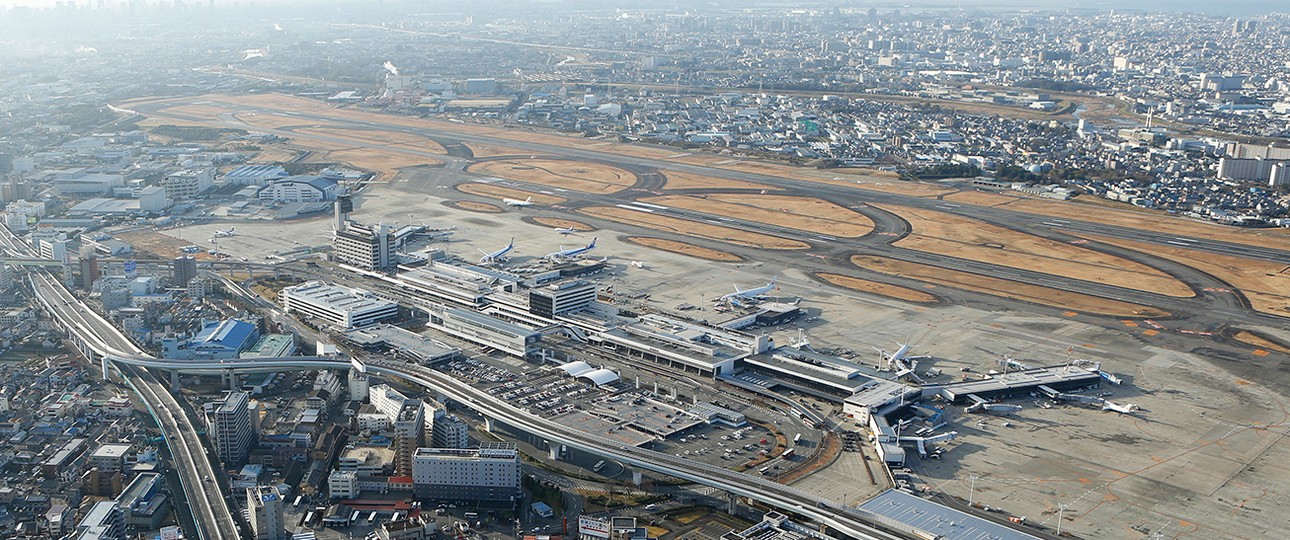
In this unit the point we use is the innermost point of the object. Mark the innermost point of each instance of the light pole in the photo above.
(972, 490)
(1061, 512)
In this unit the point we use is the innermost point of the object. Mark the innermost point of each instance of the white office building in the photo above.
(342, 307)
(188, 183)
(230, 423)
(343, 485)
(490, 472)
(264, 512)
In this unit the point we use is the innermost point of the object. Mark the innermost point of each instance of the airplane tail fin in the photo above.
(529, 200)
(592, 244)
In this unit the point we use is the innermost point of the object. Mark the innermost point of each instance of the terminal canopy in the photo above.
(583, 370)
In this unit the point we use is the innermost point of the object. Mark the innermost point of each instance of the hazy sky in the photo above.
(1226, 7)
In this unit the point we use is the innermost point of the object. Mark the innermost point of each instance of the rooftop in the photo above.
(940, 521)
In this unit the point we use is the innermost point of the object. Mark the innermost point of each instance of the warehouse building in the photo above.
(342, 307)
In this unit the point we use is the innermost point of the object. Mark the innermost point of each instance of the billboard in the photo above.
(593, 527)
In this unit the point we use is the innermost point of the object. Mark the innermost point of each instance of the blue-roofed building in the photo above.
(302, 188)
(255, 175)
(216, 340)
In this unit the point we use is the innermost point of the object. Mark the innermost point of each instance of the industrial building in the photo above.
(488, 473)
(302, 188)
(188, 183)
(143, 503)
(254, 175)
(341, 307)
(215, 340)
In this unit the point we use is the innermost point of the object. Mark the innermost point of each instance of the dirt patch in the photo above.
(574, 175)
(956, 236)
(157, 245)
(1262, 342)
(685, 249)
(878, 288)
(1265, 284)
(692, 228)
(801, 213)
(1008, 289)
(682, 180)
(473, 206)
(981, 198)
(274, 154)
(499, 192)
(563, 224)
(387, 162)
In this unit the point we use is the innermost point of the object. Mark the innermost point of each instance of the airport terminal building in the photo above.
(341, 307)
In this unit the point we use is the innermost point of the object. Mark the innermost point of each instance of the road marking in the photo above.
(1150, 332)
(1130, 323)
(1177, 243)
(1260, 352)
(636, 208)
(647, 205)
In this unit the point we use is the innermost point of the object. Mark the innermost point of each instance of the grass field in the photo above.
(692, 228)
(949, 234)
(387, 162)
(1265, 284)
(878, 288)
(502, 192)
(149, 242)
(801, 213)
(574, 175)
(475, 206)
(1007, 289)
(685, 249)
(403, 140)
(563, 224)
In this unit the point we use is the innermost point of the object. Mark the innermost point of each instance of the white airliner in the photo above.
(574, 252)
(566, 230)
(498, 255)
(750, 294)
(901, 361)
(225, 234)
(517, 202)
(1127, 408)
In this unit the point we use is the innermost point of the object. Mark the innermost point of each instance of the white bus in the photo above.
(599, 465)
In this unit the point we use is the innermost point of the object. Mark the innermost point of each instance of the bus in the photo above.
(764, 470)
(309, 518)
(787, 454)
(297, 503)
(472, 515)
(353, 518)
(371, 517)
(396, 516)
(599, 465)
(797, 439)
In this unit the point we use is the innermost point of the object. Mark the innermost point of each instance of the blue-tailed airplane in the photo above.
(568, 253)
(496, 256)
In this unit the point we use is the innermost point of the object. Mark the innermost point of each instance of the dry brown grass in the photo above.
(148, 242)
(682, 180)
(387, 162)
(574, 175)
(692, 228)
(1265, 284)
(473, 206)
(953, 235)
(1250, 338)
(1007, 289)
(563, 224)
(981, 198)
(500, 192)
(274, 154)
(878, 288)
(685, 249)
(481, 150)
(393, 138)
(800, 213)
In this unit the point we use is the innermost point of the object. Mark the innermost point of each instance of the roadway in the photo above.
(99, 337)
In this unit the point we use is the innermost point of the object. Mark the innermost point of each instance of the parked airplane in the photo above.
(227, 233)
(750, 294)
(517, 202)
(498, 255)
(574, 252)
(566, 230)
(639, 264)
(1127, 408)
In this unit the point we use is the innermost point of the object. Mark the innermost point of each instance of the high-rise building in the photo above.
(231, 426)
(183, 269)
(369, 248)
(409, 434)
(264, 512)
(89, 266)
